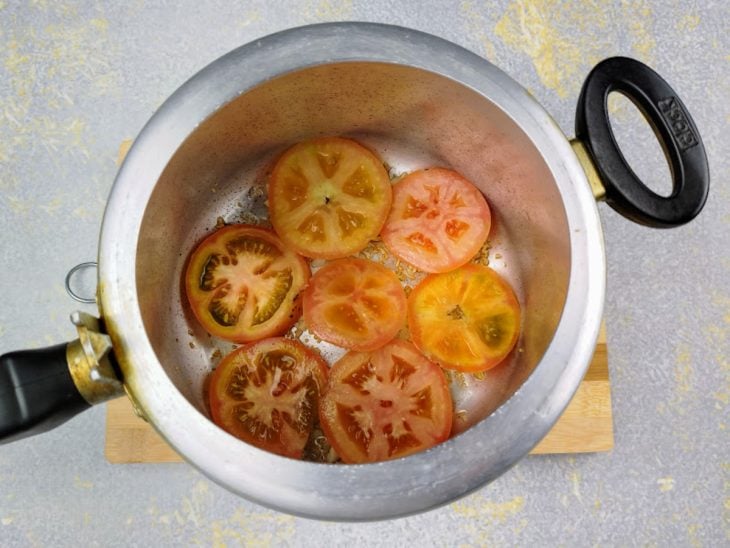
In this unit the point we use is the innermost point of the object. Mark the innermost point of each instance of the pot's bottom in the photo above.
(196, 352)
(411, 119)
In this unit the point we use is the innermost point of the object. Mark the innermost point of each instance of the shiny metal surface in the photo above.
(68, 282)
(415, 99)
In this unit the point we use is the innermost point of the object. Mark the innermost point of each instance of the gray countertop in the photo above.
(77, 78)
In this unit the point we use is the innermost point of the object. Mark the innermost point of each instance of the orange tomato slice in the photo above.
(328, 197)
(467, 319)
(385, 404)
(438, 222)
(355, 303)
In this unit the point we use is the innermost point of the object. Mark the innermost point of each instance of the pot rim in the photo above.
(349, 492)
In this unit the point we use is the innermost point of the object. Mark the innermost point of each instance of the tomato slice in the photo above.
(244, 285)
(385, 404)
(467, 319)
(355, 303)
(328, 197)
(267, 394)
(438, 222)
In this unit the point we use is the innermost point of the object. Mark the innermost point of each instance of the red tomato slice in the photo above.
(385, 404)
(267, 394)
(244, 285)
(438, 222)
(355, 303)
(328, 197)
(467, 319)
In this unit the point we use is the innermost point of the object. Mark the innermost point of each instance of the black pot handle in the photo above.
(37, 392)
(43, 388)
(674, 128)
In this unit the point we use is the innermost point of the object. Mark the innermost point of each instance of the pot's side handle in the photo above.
(37, 392)
(674, 128)
(43, 388)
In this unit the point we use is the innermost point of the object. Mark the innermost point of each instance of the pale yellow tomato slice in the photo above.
(328, 197)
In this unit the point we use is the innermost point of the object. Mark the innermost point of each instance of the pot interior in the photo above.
(412, 119)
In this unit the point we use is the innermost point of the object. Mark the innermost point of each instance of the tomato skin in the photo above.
(267, 393)
(328, 197)
(243, 284)
(385, 404)
(467, 319)
(355, 303)
(438, 222)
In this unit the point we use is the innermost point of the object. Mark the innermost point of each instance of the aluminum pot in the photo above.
(417, 100)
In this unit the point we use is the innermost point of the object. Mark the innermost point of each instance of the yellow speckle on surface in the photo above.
(243, 528)
(34, 107)
(475, 26)
(14, 60)
(329, 10)
(665, 484)
(18, 205)
(6, 521)
(250, 18)
(689, 22)
(100, 24)
(81, 212)
(692, 534)
(478, 507)
(83, 484)
(564, 39)
(639, 18)
(575, 482)
(479, 518)
(52, 206)
(683, 370)
(528, 26)
(250, 528)
(716, 337)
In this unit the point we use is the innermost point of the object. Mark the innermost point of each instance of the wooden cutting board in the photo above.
(586, 426)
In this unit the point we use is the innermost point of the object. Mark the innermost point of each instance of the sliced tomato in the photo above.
(328, 197)
(438, 222)
(355, 303)
(244, 285)
(467, 319)
(267, 394)
(385, 404)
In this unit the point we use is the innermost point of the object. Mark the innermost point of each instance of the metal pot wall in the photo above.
(417, 101)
